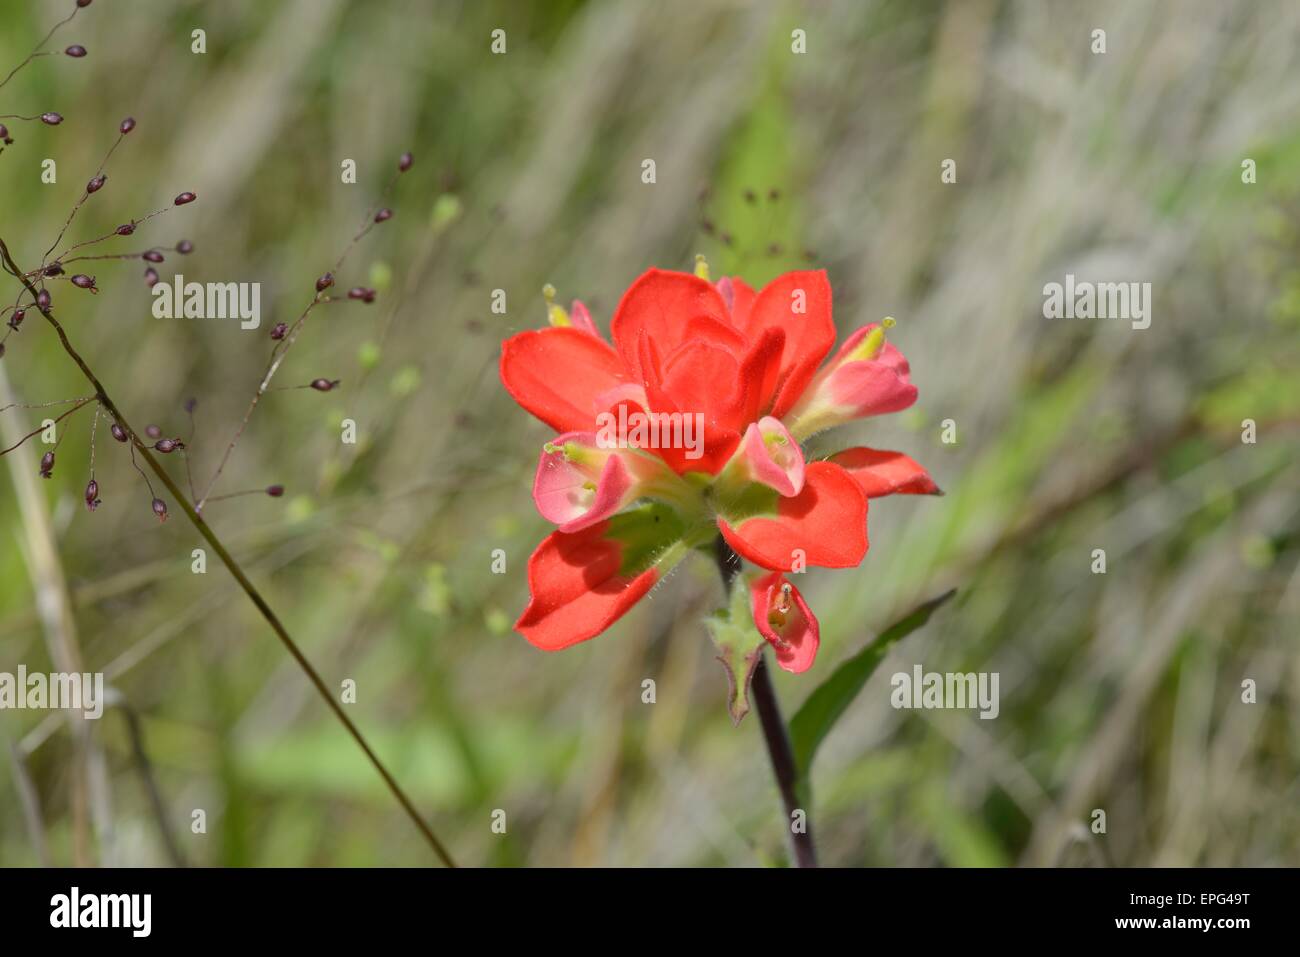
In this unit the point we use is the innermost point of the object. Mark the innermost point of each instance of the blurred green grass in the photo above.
(1119, 692)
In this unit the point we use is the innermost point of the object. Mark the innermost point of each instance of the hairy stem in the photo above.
(235, 570)
(775, 736)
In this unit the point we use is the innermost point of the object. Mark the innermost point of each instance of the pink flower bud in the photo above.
(769, 454)
(578, 483)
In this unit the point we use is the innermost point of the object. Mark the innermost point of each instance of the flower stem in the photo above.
(775, 735)
(235, 570)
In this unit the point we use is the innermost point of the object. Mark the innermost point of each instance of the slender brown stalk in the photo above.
(135, 731)
(775, 736)
(233, 567)
(281, 350)
(36, 432)
(36, 51)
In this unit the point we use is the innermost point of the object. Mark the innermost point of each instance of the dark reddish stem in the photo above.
(775, 736)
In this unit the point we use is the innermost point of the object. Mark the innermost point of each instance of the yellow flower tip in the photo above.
(870, 345)
(701, 266)
(571, 451)
(889, 322)
(555, 313)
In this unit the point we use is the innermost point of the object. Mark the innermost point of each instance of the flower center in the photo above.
(778, 613)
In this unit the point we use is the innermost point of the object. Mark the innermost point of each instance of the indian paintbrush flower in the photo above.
(744, 364)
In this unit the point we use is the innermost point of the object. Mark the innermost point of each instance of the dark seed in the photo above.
(76, 50)
(96, 184)
(92, 495)
(54, 270)
(383, 214)
(184, 198)
(126, 229)
(151, 277)
(275, 491)
(127, 125)
(185, 247)
(152, 431)
(51, 119)
(82, 281)
(160, 509)
(4, 132)
(16, 319)
(43, 299)
(324, 282)
(324, 385)
(166, 446)
(404, 162)
(117, 432)
(152, 256)
(83, 3)
(362, 293)
(47, 464)
(279, 330)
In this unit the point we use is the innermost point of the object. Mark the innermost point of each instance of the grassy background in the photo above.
(1119, 691)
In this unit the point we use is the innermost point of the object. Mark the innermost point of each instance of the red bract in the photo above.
(688, 426)
(784, 619)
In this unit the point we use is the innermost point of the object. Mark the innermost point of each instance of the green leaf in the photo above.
(740, 647)
(833, 696)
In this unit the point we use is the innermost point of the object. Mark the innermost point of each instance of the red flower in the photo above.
(688, 425)
(784, 619)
